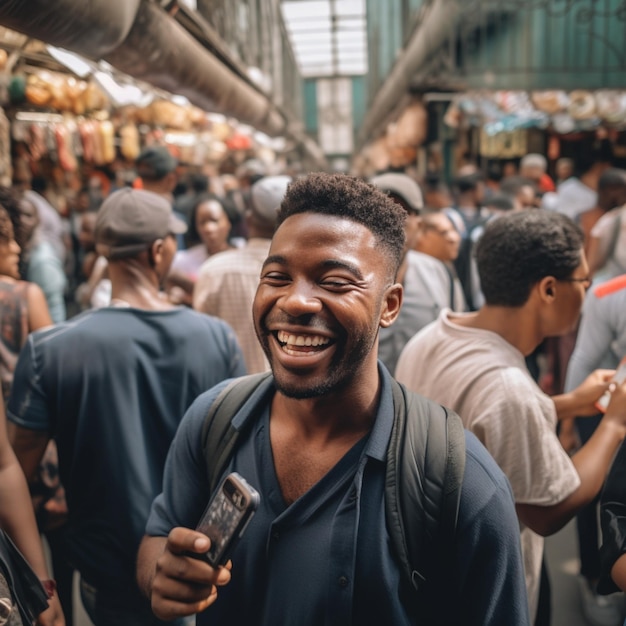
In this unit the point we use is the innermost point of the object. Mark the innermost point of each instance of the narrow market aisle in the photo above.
(562, 557)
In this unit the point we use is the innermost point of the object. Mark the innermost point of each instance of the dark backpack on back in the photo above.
(424, 472)
(463, 262)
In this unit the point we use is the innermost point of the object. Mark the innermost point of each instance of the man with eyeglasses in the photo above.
(534, 276)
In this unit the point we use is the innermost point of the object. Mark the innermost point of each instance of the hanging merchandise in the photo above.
(410, 129)
(6, 170)
(86, 130)
(107, 141)
(60, 93)
(582, 105)
(506, 111)
(611, 105)
(129, 141)
(65, 153)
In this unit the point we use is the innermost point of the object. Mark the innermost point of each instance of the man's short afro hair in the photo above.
(351, 198)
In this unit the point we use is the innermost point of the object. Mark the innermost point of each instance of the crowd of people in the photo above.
(123, 318)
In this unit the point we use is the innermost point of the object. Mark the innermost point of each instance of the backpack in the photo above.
(424, 470)
(463, 262)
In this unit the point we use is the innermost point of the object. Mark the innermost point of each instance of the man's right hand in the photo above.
(616, 410)
(183, 585)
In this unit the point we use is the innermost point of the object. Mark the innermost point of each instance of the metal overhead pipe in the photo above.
(437, 24)
(142, 40)
(161, 52)
(90, 27)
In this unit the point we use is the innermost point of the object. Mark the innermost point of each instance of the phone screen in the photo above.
(227, 516)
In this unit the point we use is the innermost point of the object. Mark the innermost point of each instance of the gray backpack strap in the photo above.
(219, 433)
(425, 466)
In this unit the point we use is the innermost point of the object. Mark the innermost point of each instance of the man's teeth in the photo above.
(302, 340)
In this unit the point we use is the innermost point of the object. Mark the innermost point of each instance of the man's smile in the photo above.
(301, 343)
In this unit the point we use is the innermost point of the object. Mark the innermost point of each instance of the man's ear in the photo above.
(392, 303)
(546, 288)
(155, 252)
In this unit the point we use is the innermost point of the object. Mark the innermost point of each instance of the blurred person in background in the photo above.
(211, 226)
(23, 310)
(198, 185)
(436, 194)
(601, 343)
(522, 190)
(467, 213)
(607, 237)
(579, 192)
(228, 281)
(535, 167)
(156, 167)
(427, 282)
(563, 169)
(611, 195)
(39, 263)
(111, 387)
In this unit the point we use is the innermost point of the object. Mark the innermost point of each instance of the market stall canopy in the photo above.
(140, 39)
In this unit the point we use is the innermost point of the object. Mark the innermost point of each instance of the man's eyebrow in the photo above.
(327, 264)
(336, 264)
(274, 258)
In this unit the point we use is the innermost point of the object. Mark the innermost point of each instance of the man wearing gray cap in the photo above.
(429, 286)
(111, 386)
(228, 281)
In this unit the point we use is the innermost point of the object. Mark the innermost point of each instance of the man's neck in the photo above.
(134, 287)
(513, 324)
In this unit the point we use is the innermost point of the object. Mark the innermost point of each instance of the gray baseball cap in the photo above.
(400, 185)
(266, 196)
(130, 220)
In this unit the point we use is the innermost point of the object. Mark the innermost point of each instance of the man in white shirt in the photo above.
(533, 274)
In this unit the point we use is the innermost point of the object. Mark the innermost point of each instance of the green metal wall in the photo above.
(359, 103)
(583, 47)
(310, 106)
(508, 44)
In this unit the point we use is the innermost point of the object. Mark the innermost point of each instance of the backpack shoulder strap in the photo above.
(425, 466)
(219, 433)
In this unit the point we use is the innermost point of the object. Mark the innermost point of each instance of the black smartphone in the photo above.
(226, 517)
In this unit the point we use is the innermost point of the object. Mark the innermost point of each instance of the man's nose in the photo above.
(300, 297)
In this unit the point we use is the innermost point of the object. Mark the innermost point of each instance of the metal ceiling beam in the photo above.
(437, 23)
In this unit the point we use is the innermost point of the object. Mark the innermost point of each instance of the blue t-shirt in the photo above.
(111, 385)
(327, 557)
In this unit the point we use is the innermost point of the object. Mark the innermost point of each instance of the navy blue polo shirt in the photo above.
(327, 558)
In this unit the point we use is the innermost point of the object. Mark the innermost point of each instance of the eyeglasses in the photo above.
(443, 232)
(586, 281)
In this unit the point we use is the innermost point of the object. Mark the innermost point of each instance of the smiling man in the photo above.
(314, 441)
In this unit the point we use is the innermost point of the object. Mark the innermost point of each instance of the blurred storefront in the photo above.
(496, 79)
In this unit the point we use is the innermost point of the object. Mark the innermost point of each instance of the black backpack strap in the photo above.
(425, 466)
(219, 433)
